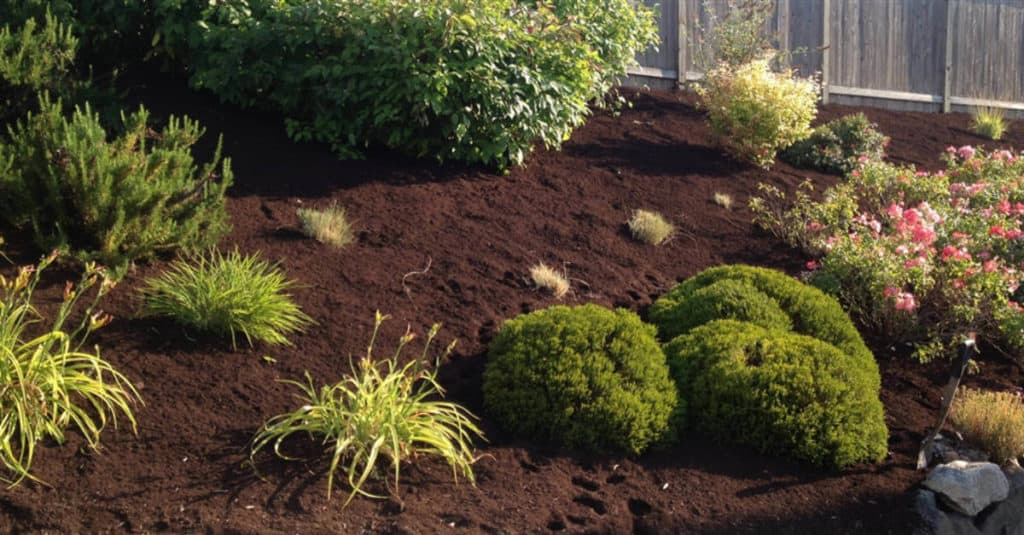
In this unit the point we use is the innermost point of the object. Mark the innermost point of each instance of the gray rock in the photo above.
(1006, 517)
(935, 521)
(968, 487)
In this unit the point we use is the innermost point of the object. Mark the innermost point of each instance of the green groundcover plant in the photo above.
(50, 381)
(226, 295)
(838, 146)
(479, 81)
(110, 199)
(583, 377)
(384, 413)
(915, 256)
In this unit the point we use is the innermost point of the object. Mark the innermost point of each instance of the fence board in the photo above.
(894, 46)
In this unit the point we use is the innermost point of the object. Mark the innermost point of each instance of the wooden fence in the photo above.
(925, 55)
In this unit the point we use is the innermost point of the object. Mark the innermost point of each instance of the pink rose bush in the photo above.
(915, 256)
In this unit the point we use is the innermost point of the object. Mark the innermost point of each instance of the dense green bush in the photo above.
(112, 200)
(810, 311)
(585, 377)
(780, 392)
(34, 57)
(726, 298)
(755, 112)
(479, 81)
(838, 146)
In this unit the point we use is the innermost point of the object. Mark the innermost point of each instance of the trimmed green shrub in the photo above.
(34, 58)
(727, 298)
(754, 112)
(811, 312)
(227, 295)
(478, 81)
(112, 200)
(584, 377)
(780, 392)
(838, 146)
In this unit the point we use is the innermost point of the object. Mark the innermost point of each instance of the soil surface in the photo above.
(453, 244)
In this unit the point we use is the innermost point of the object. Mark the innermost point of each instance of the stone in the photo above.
(967, 487)
(935, 521)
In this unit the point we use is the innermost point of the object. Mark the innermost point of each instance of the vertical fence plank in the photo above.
(826, 49)
(947, 83)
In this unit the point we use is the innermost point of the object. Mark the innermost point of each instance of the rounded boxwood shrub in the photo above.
(728, 298)
(779, 391)
(810, 311)
(584, 377)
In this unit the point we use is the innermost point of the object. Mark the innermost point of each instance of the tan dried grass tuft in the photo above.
(547, 278)
(650, 227)
(329, 226)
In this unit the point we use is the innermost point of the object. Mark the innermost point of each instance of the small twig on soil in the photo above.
(405, 288)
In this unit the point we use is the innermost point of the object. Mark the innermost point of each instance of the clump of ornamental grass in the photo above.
(51, 382)
(549, 279)
(383, 413)
(992, 420)
(650, 227)
(989, 122)
(329, 226)
(226, 295)
(723, 199)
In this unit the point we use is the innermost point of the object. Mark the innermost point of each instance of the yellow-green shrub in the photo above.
(780, 392)
(756, 112)
(583, 377)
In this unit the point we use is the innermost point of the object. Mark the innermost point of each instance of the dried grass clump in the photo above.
(724, 200)
(650, 227)
(329, 225)
(547, 278)
(992, 420)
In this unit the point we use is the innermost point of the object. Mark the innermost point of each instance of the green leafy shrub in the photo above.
(917, 257)
(478, 81)
(755, 112)
(989, 122)
(111, 200)
(584, 377)
(810, 312)
(838, 146)
(226, 294)
(780, 392)
(48, 381)
(380, 412)
(34, 58)
(992, 420)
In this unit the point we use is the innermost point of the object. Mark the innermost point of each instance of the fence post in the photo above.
(826, 46)
(947, 78)
(682, 41)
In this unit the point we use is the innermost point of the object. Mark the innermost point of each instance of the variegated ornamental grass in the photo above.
(52, 382)
(383, 413)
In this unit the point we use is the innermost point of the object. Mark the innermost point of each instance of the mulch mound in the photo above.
(454, 244)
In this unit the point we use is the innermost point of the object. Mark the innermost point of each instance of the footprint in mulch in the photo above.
(639, 507)
(557, 523)
(598, 506)
(615, 479)
(455, 520)
(585, 483)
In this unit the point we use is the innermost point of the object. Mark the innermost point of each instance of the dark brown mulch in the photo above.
(479, 232)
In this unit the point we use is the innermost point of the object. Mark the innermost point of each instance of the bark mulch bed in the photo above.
(479, 232)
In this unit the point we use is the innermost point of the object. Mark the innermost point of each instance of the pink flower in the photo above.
(989, 266)
(813, 265)
(905, 302)
(890, 291)
(966, 152)
(814, 226)
(996, 230)
(958, 283)
(895, 210)
(1004, 207)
